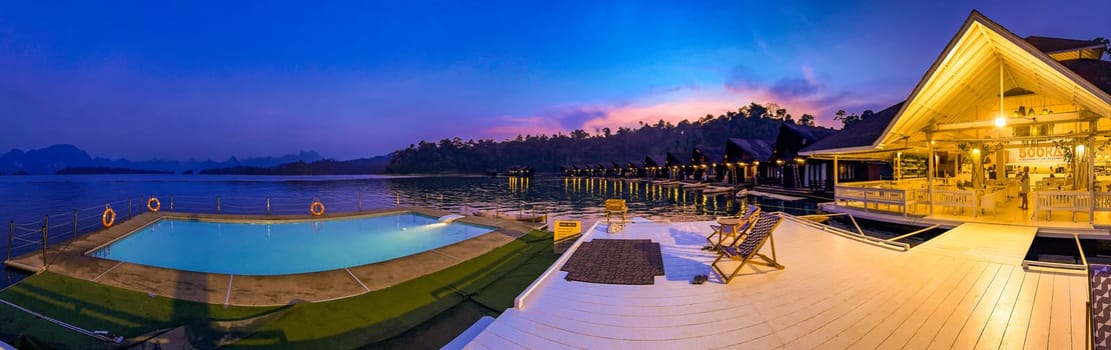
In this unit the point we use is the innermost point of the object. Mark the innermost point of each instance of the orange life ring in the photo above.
(316, 208)
(109, 217)
(153, 204)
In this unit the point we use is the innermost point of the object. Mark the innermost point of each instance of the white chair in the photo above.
(987, 202)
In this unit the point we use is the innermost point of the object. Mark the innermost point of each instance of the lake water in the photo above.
(28, 200)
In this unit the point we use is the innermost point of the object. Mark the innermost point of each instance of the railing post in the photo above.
(267, 206)
(218, 205)
(11, 233)
(74, 224)
(45, 234)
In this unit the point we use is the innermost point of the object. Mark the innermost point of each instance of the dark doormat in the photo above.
(616, 261)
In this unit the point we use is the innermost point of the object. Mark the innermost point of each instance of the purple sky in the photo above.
(148, 80)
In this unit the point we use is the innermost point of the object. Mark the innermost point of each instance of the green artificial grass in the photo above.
(425, 312)
(98, 307)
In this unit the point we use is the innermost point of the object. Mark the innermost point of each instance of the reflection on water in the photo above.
(581, 198)
(27, 198)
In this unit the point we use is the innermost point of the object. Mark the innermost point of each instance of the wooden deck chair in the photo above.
(748, 247)
(720, 232)
(1099, 306)
(616, 207)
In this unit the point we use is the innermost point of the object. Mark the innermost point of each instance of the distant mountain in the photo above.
(360, 166)
(44, 160)
(50, 160)
(106, 170)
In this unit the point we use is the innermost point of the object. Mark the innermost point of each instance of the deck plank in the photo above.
(932, 327)
(971, 317)
(1014, 337)
(964, 289)
(1078, 298)
(992, 332)
(912, 325)
(1060, 324)
(1037, 335)
(877, 313)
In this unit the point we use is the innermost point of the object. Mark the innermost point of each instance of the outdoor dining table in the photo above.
(733, 223)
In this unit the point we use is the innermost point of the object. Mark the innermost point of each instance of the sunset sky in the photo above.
(355, 79)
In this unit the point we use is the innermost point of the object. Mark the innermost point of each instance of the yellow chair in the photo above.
(616, 206)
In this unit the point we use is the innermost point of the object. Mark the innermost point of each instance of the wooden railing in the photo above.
(1103, 201)
(872, 197)
(957, 200)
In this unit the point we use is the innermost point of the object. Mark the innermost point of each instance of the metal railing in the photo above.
(857, 236)
(28, 235)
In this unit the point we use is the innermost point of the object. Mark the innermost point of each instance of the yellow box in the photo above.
(564, 229)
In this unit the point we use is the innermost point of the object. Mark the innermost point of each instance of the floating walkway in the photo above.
(965, 289)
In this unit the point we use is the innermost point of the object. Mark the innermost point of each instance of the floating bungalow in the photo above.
(744, 157)
(785, 167)
(677, 165)
(656, 166)
(708, 165)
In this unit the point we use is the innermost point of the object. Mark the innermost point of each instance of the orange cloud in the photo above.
(799, 95)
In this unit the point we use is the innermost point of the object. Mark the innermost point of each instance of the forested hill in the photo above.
(546, 153)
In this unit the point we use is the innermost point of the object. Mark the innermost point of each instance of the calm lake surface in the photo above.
(32, 201)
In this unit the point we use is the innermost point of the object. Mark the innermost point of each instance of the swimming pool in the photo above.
(284, 248)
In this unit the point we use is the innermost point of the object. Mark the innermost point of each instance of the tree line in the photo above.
(547, 153)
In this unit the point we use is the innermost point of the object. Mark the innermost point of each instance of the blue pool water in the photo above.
(284, 248)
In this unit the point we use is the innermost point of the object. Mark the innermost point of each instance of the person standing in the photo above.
(1024, 187)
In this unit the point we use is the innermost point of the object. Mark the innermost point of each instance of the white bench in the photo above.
(1072, 201)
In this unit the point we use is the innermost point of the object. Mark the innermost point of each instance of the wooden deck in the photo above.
(965, 289)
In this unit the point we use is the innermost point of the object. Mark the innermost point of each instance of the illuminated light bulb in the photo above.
(1000, 121)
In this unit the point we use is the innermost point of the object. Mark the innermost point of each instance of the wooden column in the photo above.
(1091, 171)
(930, 171)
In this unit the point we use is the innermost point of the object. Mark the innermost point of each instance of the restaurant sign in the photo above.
(1037, 154)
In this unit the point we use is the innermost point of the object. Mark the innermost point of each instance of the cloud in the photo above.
(741, 78)
(800, 94)
(794, 87)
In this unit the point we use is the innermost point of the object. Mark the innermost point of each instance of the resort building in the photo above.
(656, 166)
(992, 105)
(744, 157)
(786, 168)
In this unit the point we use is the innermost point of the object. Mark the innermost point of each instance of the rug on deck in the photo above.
(616, 261)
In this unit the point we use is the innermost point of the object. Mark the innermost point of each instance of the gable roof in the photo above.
(862, 133)
(967, 71)
(1094, 71)
(676, 159)
(810, 133)
(1052, 45)
(654, 160)
(714, 155)
(760, 150)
